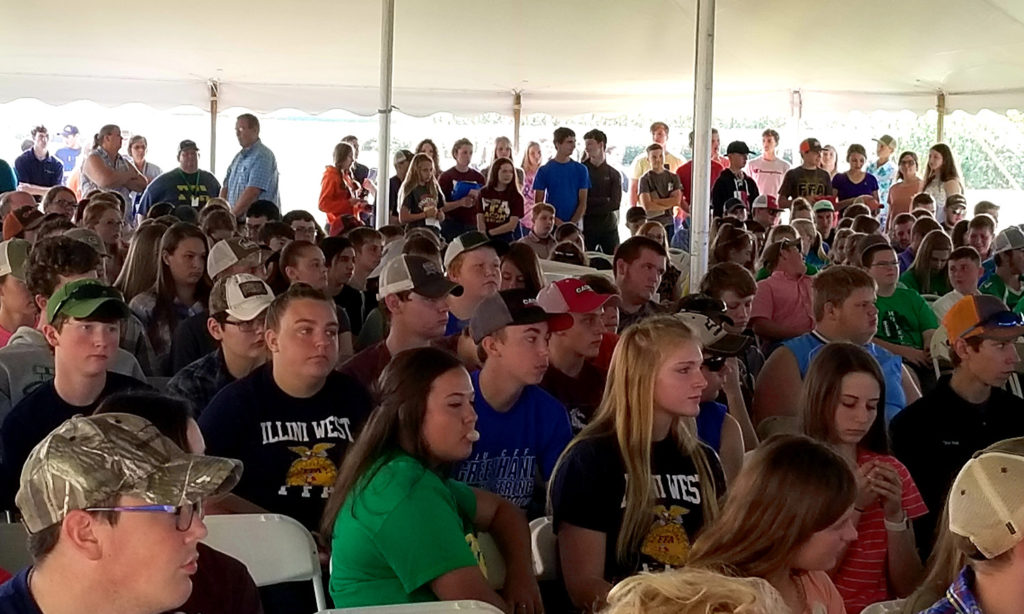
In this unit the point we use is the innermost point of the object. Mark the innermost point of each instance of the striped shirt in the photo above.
(861, 577)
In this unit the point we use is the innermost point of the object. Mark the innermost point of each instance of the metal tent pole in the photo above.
(700, 204)
(517, 115)
(387, 48)
(940, 127)
(214, 92)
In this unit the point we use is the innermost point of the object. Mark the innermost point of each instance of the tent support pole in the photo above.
(940, 124)
(517, 114)
(700, 206)
(214, 91)
(387, 49)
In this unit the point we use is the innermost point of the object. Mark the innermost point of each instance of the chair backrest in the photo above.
(431, 607)
(13, 547)
(545, 548)
(884, 607)
(493, 560)
(274, 548)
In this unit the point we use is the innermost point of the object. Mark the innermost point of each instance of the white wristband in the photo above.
(901, 525)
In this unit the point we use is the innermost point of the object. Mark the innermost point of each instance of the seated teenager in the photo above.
(1006, 282)
(783, 306)
(609, 319)
(967, 410)
(17, 307)
(83, 324)
(769, 528)
(928, 273)
(840, 402)
(540, 238)
(693, 591)
(238, 306)
(520, 269)
(472, 262)
(392, 485)
(291, 420)
(965, 271)
(413, 292)
(571, 378)
(639, 264)
(635, 487)
(517, 419)
(355, 296)
(922, 226)
(121, 525)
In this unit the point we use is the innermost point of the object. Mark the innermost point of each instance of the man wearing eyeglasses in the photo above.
(238, 309)
(966, 411)
(185, 185)
(114, 513)
(83, 327)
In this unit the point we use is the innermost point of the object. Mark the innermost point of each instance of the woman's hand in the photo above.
(522, 594)
(885, 482)
(865, 494)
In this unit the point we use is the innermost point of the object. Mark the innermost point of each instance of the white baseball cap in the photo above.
(241, 296)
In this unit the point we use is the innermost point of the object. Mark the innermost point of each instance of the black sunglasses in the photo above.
(714, 363)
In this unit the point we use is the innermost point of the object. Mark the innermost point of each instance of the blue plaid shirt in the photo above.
(959, 597)
(201, 380)
(254, 166)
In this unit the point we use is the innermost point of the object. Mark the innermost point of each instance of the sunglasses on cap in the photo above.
(87, 292)
(714, 363)
(1002, 319)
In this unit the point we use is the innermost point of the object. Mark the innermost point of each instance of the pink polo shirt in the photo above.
(785, 299)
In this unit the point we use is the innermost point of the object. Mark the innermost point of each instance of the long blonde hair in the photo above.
(412, 179)
(943, 566)
(791, 488)
(693, 591)
(627, 411)
(528, 166)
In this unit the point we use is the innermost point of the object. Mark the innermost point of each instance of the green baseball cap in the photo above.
(82, 298)
(13, 256)
(91, 459)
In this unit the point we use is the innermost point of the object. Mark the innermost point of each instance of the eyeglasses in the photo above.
(183, 514)
(87, 292)
(1002, 319)
(248, 326)
(714, 363)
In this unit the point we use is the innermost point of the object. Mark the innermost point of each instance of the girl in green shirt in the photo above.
(929, 273)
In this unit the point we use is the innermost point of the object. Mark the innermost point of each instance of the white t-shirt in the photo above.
(768, 174)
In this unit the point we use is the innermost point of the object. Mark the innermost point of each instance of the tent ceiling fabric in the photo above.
(566, 56)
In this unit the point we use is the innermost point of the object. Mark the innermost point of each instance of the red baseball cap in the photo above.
(572, 295)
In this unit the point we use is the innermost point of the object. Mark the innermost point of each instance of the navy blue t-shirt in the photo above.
(178, 188)
(15, 597)
(562, 182)
(515, 446)
(46, 173)
(291, 447)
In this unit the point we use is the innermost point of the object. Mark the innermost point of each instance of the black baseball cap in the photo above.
(513, 308)
(737, 147)
(186, 145)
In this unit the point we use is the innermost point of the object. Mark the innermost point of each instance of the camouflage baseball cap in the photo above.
(90, 459)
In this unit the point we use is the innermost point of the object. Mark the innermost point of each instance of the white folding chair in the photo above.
(493, 560)
(884, 607)
(274, 548)
(14, 554)
(939, 349)
(544, 544)
(431, 607)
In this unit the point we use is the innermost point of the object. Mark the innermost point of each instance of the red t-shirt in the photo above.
(685, 173)
(447, 180)
(861, 576)
(499, 207)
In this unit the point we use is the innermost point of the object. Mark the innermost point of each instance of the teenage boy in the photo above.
(807, 180)
(571, 376)
(901, 231)
(905, 322)
(768, 169)
(883, 168)
(954, 210)
(635, 218)
(37, 170)
(659, 190)
(733, 182)
(734, 286)
(988, 208)
(523, 429)
(715, 166)
(355, 297)
(291, 421)
(114, 512)
(563, 182)
(981, 231)
(413, 292)
(471, 262)
(27, 360)
(340, 258)
(259, 213)
(844, 310)
(967, 410)
(922, 226)
(539, 238)
(601, 220)
(641, 164)
(765, 211)
(825, 220)
(964, 272)
(17, 308)
(1008, 255)
(923, 204)
(639, 264)
(83, 325)
(236, 322)
(460, 213)
(985, 524)
(783, 306)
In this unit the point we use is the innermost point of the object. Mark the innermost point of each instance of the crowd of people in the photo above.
(830, 418)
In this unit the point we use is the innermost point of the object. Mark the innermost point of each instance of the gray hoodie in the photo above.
(27, 361)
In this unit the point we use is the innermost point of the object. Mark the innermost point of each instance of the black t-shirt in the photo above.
(581, 395)
(590, 486)
(419, 198)
(357, 305)
(291, 447)
(38, 413)
(727, 186)
(394, 185)
(935, 435)
(812, 184)
(605, 194)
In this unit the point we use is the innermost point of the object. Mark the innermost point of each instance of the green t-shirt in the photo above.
(762, 273)
(995, 286)
(939, 283)
(400, 530)
(903, 318)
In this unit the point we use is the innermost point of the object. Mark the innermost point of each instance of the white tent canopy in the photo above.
(566, 56)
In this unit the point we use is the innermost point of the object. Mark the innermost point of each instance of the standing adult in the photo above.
(941, 178)
(460, 213)
(807, 180)
(137, 148)
(733, 182)
(37, 170)
(185, 185)
(563, 182)
(252, 174)
(105, 169)
(68, 155)
(659, 135)
(601, 220)
(768, 169)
